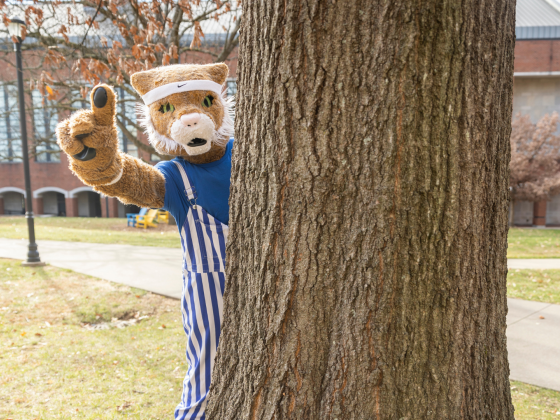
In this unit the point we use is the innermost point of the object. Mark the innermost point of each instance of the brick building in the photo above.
(56, 191)
(537, 86)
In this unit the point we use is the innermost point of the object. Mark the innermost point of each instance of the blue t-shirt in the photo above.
(210, 180)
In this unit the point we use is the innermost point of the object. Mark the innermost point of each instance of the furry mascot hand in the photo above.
(90, 139)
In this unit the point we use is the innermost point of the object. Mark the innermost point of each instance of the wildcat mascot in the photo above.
(186, 115)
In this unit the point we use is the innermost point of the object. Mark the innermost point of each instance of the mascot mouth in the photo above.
(196, 142)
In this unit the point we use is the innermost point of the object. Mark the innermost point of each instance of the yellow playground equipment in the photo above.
(162, 216)
(149, 219)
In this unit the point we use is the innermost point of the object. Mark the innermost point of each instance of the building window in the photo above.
(231, 87)
(127, 116)
(10, 141)
(45, 119)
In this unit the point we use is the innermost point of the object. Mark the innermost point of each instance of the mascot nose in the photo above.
(190, 120)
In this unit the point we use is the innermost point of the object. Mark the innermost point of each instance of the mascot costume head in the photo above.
(185, 111)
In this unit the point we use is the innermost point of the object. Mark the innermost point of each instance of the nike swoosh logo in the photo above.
(178, 86)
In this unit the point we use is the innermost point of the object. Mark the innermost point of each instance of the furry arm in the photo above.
(90, 139)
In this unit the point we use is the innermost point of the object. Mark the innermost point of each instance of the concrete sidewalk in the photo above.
(533, 342)
(534, 263)
(533, 335)
(150, 268)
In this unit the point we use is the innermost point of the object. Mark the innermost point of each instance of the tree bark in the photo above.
(369, 213)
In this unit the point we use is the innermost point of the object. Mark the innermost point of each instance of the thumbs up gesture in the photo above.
(90, 139)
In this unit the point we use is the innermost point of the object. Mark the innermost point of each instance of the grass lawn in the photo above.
(538, 285)
(533, 243)
(534, 403)
(91, 229)
(53, 365)
(523, 243)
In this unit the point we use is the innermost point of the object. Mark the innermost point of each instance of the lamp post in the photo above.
(16, 30)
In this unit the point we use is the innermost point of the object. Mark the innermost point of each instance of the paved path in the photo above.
(145, 267)
(535, 263)
(533, 342)
(533, 335)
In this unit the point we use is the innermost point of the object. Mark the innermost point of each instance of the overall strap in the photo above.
(190, 190)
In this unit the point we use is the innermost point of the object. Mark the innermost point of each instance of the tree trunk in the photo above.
(369, 213)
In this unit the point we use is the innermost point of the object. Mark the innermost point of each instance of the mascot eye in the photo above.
(207, 103)
(166, 108)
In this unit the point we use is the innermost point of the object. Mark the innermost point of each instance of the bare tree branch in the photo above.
(231, 42)
(130, 137)
(535, 158)
(125, 37)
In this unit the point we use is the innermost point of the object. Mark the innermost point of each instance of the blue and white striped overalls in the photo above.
(203, 239)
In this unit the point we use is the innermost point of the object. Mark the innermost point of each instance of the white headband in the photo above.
(176, 87)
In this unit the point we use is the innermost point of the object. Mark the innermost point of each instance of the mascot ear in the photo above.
(217, 72)
(143, 81)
